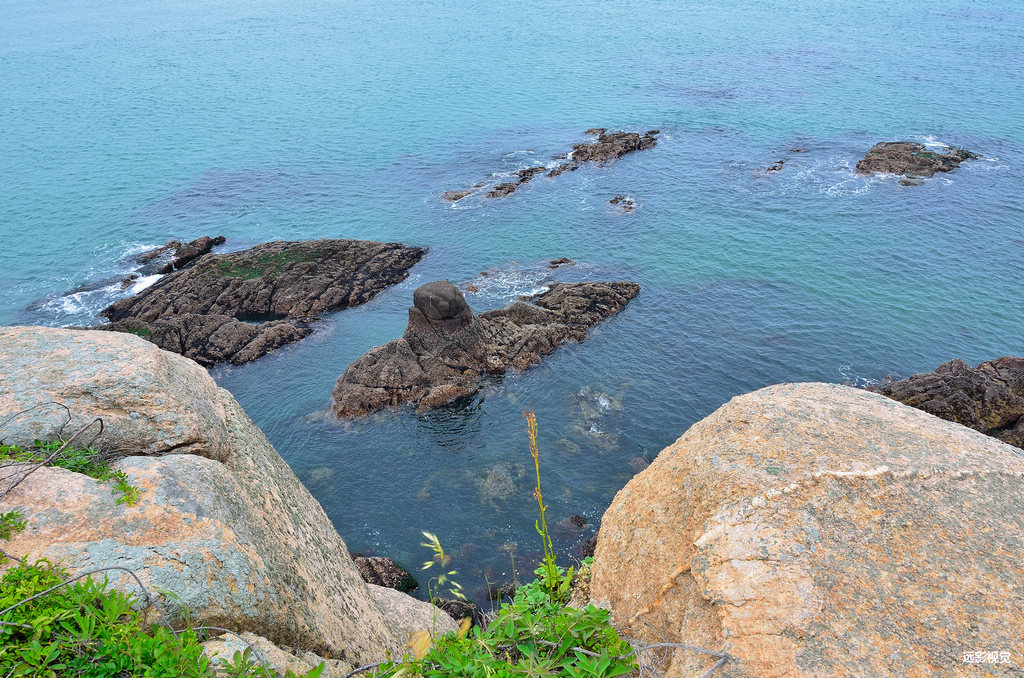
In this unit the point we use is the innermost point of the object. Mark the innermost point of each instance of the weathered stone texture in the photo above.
(820, 530)
(222, 521)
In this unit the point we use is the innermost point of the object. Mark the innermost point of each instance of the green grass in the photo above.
(141, 332)
(265, 264)
(85, 460)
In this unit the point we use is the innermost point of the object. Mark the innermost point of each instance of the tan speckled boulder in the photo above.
(820, 530)
(227, 527)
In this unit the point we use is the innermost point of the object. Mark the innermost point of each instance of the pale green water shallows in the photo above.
(128, 124)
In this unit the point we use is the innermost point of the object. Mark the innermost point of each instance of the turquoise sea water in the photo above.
(127, 124)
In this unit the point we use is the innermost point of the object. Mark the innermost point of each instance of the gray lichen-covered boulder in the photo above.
(447, 349)
(988, 398)
(820, 530)
(240, 305)
(222, 522)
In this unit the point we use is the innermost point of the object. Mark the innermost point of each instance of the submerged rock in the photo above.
(222, 306)
(221, 520)
(819, 530)
(447, 349)
(988, 398)
(912, 159)
(454, 196)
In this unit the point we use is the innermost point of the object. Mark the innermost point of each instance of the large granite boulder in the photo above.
(286, 282)
(821, 530)
(222, 522)
(447, 349)
(911, 159)
(988, 398)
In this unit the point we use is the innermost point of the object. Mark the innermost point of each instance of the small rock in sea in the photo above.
(595, 131)
(484, 273)
(385, 572)
(189, 252)
(911, 159)
(503, 190)
(625, 204)
(460, 609)
(911, 181)
(568, 445)
(798, 149)
(128, 281)
(472, 288)
(454, 196)
(776, 167)
(529, 173)
(589, 546)
(561, 261)
(652, 132)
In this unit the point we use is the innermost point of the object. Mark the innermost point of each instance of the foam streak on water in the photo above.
(127, 125)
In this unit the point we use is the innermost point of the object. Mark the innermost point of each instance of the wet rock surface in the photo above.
(447, 349)
(381, 571)
(239, 306)
(988, 398)
(911, 159)
(608, 147)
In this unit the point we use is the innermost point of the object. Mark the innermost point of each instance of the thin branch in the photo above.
(713, 668)
(37, 465)
(361, 669)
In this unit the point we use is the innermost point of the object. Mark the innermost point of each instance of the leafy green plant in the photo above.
(10, 524)
(85, 460)
(85, 629)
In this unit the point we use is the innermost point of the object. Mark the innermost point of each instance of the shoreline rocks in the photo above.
(988, 398)
(608, 147)
(911, 159)
(819, 530)
(239, 306)
(447, 349)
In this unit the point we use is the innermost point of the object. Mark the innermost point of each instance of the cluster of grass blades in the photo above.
(85, 460)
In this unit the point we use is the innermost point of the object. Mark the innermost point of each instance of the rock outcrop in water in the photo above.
(911, 159)
(174, 255)
(988, 398)
(447, 349)
(820, 530)
(221, 520)
(238, 306)
(608, 147)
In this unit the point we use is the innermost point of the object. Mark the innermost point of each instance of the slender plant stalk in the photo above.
(550, 567)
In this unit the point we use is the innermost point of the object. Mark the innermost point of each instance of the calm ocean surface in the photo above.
(127, 124)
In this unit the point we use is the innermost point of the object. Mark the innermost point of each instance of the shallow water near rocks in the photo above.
(129, 125)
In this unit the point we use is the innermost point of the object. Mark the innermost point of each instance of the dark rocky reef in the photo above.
(988, 398)
(238, 306)
(609, 146)
(447, 349)
(911, 160)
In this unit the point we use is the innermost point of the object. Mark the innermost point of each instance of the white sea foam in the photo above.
(144, 282)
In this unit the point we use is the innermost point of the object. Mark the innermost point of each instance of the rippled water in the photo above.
(129, 124)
